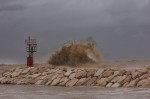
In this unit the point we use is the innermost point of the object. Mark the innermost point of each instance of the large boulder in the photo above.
(121, 79)
(68, 72)
(26, 81)
(91, 81)
(39, 82)
(63, 81)
(122, 72)
(127, 73)
(34, 76)
(143, 83)
(90, 72)
(60, 75)
(109, 84)
(116, 73)
(16, 73)
(6, 80)
(116, 79)
(133, 83)
(102, 82)
(50, 78)
(48, 82)
(7, 74)
(99, 72)
(81, 74)
(84, 73)
(142, 72)
(145, 76)
(107, 73)
(34, 70)
(127, 79)
(134, 74)
(54, 76)
(50, 71)
(116, 85)
(42, 69)
(72, 75)
(110, 78)
(125, 84)
(55, 82)
(2, 78)
(71, 82)
(26, 70)
(21, 81)
(81, 81)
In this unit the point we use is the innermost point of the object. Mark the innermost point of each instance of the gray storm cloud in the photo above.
(120, 27)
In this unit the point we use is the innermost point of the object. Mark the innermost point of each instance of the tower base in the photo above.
(29, 61)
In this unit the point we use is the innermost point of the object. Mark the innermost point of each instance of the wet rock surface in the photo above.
(69, 77)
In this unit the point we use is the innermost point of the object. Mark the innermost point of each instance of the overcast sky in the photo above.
(121, 28)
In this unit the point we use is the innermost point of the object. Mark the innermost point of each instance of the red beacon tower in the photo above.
(31, 49)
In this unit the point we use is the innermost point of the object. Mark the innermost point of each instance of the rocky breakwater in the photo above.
(76, 77)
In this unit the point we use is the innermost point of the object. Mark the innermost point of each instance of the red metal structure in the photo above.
(31, 49)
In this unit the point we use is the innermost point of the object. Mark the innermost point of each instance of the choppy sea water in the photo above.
(48, 92)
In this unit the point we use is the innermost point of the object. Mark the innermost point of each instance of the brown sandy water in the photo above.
(48, 92)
